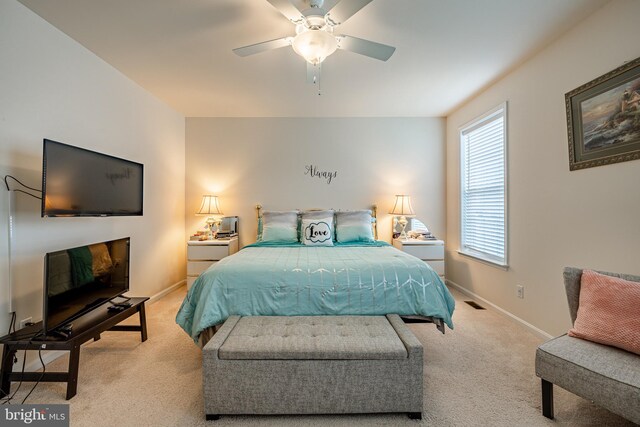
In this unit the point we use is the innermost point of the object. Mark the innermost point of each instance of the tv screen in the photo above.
(80, 279)
(79, 182)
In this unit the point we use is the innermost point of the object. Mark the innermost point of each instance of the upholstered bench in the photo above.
(312, 365)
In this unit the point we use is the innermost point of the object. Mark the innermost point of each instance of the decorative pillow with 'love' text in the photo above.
(317, 231)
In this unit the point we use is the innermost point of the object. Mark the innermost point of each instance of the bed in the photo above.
(292, 279)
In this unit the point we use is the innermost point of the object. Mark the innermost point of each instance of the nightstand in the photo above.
(430, 251)
(202, 254)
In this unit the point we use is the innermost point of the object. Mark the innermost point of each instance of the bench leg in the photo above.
(212, 417)
(547, 399)
(415, 415)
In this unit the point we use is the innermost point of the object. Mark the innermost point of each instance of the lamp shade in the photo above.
(209, 206)
(402, 206)
(314, 45)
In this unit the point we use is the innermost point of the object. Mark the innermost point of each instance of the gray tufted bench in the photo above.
(312, 365)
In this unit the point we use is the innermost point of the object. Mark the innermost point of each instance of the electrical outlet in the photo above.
(24, 322)
(520, 291)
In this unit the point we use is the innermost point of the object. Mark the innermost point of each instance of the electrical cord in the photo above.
(28, 194)
(24, 362)
(6, 183)
(8, 399)
(12, 324)
(44, 369)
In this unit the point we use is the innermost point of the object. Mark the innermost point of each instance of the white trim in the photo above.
(484, 259)
(536, 331)
(156, 297)
(474, 123)
(465, 128)
(49, 356)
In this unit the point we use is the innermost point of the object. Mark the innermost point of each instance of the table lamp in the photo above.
(403, 209)
(209, 207)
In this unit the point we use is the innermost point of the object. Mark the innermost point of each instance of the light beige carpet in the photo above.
(480, 374)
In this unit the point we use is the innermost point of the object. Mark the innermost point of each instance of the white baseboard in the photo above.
(537, 331)
(51, 355)
(166, 291)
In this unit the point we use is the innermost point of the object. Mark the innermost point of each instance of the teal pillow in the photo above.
(278, 227)
(279, 234)
(354, 226)
(355, 233)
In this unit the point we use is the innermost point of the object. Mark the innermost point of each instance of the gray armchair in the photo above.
(608, 376)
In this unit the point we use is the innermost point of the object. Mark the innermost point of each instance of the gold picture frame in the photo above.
(603, 119)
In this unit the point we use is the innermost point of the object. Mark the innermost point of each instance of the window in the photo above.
(483, 148)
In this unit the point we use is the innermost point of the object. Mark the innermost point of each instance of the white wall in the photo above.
(557, 218)
(246, 161)
(52, 87)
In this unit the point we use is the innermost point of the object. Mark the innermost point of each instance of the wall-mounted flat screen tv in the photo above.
(77, 280)
(79, 182)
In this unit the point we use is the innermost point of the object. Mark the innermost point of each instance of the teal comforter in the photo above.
(305, 281)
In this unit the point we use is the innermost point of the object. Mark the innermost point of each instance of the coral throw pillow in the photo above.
(609, 311)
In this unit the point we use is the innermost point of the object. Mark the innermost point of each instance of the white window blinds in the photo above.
(483, 187)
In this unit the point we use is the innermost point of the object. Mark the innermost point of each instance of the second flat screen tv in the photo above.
(79, 182)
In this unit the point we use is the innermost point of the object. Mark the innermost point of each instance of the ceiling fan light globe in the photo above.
(314, 45)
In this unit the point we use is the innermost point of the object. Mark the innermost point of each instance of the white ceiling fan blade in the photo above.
(365, 47)
(344, 10)
(313, 73)
(290, 12)
(263, 46)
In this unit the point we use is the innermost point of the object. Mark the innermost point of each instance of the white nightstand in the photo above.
(202, 254)
(430, 251)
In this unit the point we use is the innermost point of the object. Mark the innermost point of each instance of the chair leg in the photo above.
(547, 399)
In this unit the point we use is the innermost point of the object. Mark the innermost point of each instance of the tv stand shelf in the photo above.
(85, 328)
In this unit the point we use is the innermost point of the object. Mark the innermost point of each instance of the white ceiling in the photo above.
(180, 51)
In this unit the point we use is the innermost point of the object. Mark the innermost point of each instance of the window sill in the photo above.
(483, 260)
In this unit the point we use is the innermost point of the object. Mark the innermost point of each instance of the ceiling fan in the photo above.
(315, 39)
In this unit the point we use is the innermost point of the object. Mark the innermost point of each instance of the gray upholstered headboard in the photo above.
(572, 277)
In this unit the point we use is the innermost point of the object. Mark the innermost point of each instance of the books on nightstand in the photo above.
(421, 235)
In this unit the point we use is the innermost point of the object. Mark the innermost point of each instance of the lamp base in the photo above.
(403, 223)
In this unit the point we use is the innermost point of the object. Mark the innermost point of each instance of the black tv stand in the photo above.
(85, 328)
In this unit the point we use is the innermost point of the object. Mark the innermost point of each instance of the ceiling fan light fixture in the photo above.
(314, 45)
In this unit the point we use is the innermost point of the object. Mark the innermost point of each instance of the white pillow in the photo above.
(317, 231)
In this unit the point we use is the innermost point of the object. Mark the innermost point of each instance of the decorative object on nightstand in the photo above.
(210, 208)
(403, 209)
(202, 254)
(430, 251)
